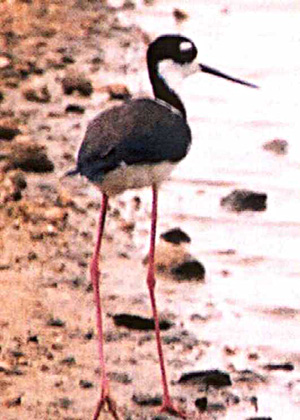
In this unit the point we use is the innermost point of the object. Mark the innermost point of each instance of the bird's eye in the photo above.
(185, 46)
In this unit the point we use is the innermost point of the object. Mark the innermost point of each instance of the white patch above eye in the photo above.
(185, 46)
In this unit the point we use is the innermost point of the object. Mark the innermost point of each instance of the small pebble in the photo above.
(147, 400)
(280, 366)
(56, 322)
(70, 360)
(64, 403)
(85, 384)
(30, 157)
(245, 200)
(176, 236)
(136, 322)
(76, 109)
(8, 132)
(259, 418)
(277, 146)
(77, 83)
(14, 402)
(41, 95)
(189, 270)
(201, 404)
(118, 91)
(249, 376)
(180, 15)
(121, 377)
(89, 335)
(215, 378)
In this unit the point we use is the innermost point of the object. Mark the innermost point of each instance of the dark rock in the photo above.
(97, 60)
(136, 322)
(15, 371)
(44, 368)
(281, 366)
(254, 401)
(12, 186)
(5, 267)
(89, 335)
(259, 418)
(67, 59)
(17, 354)
(201, 404)
(78, 83)
(69, 361)
(57, 346)
(64, 403)
(114, 336)
(189, 270)
(48, 33)
(85, 384)
(33, 339)
(77, 282)
(76, 109)
(19, 180)
(147, 400)
(175, 236)
(277, 146)
(41, 95)
(118, 91)
(14, 402)
(16, 195)
(32, 256)
(242, 200)
(8, 132)
(1, 96)
(215, 378)
(30, 157)
(56, 322)
(216, 407)
(250, 376)
(187, 339)
(180, 15)
(121, 377)
(233, 399)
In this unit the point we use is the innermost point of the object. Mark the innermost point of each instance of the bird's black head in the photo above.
(170, 56)
(177, 48)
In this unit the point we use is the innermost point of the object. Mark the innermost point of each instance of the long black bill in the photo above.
(210, 70)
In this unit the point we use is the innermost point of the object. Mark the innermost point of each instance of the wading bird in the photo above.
(134, 145)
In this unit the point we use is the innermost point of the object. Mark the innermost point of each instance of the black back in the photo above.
(141, 131)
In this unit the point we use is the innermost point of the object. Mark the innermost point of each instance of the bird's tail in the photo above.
(72, 172)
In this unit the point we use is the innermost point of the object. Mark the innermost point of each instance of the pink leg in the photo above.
(167, 402)
(95, 277)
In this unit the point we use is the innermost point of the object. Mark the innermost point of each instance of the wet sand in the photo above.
(245, 316)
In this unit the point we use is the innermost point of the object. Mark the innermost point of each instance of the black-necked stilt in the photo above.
(134, 145)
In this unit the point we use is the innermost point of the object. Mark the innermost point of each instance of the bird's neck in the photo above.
(161, 89)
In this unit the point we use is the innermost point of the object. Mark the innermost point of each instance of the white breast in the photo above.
(135, 176)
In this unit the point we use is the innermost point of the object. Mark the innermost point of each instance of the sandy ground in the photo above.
(48, 348)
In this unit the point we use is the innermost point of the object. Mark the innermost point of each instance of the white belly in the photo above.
(134, 176)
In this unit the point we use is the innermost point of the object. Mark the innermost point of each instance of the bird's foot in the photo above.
(168, 407)
(109, 403)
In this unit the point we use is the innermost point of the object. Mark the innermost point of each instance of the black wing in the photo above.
(137, 132)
